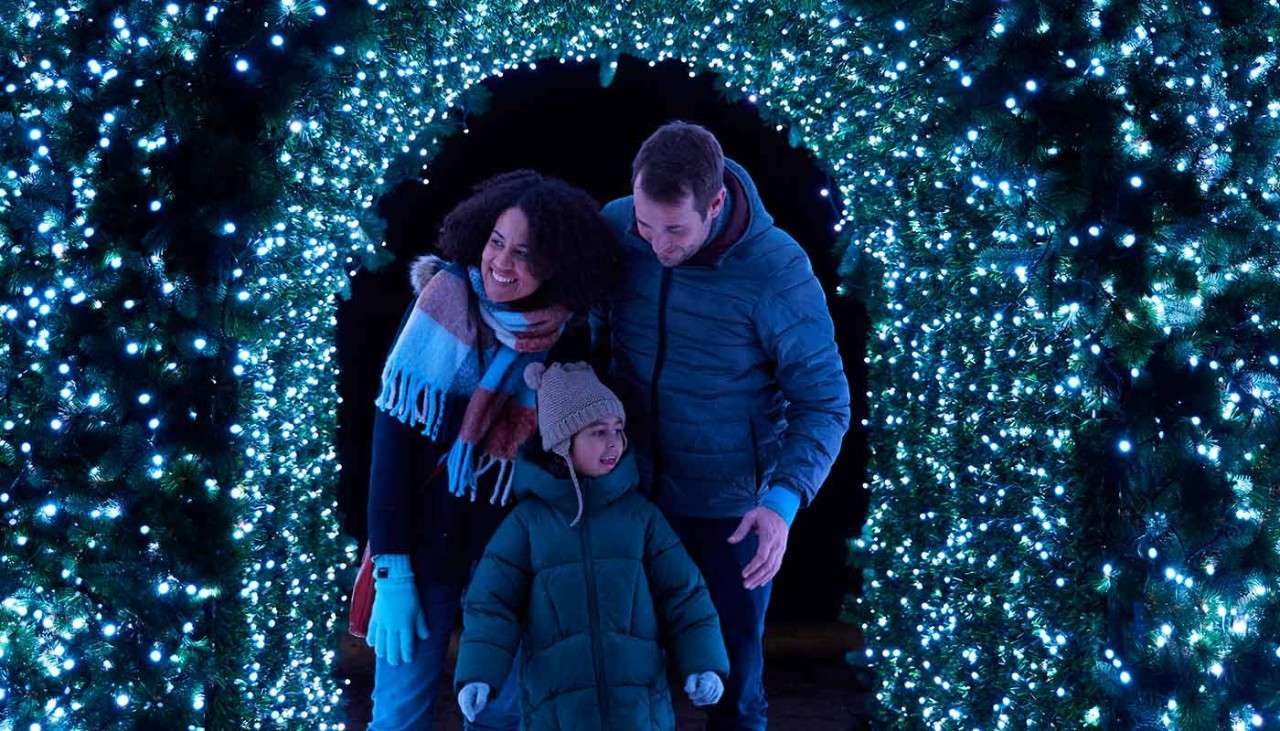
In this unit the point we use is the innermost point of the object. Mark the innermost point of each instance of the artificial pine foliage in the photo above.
(1061, 215)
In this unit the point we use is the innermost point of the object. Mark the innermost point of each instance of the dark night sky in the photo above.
(559, 121)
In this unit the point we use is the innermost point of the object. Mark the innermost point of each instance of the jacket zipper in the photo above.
(755, 461)
(659, 359)
(593, 613)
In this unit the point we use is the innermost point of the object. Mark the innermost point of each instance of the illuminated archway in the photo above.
(1052, 264)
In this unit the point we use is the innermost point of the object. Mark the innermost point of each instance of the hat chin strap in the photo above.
(577, 489)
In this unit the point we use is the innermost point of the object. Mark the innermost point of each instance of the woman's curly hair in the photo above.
(571, 248)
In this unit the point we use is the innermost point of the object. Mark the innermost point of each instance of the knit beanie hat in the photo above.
(570, 398)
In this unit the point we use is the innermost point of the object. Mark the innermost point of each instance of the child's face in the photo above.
(597, 448)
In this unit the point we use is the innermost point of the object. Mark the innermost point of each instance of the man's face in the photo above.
(675, 231)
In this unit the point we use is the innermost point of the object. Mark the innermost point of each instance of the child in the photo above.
(586, 577)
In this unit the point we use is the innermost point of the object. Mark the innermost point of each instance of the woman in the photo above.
(524, 258)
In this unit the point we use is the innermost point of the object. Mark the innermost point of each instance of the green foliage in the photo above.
(1083, 345)
(1073, 359)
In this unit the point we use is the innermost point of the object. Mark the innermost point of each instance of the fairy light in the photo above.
(989, 409)
(1003, 354)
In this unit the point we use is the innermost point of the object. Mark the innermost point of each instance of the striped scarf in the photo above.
(438, 356)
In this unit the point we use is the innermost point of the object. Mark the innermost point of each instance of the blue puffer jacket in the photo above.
(729, 371)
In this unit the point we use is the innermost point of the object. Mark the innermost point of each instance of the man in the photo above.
(724, 353)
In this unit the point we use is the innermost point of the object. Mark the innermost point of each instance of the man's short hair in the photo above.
(680, 159)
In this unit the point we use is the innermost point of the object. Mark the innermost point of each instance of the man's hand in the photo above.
(772, 532)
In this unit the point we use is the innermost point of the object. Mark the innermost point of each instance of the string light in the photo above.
(983, 603)
(990, 409)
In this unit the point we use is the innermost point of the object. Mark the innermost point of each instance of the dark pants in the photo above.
(741, 612)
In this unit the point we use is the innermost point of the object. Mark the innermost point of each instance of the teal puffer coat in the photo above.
(598, 609)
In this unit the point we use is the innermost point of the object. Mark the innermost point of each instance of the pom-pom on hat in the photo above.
(570, 398)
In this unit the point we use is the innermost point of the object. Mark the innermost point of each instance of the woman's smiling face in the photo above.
(505, 262)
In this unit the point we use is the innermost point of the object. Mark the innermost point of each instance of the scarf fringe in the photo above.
(465, 472)
(426, 366)
(461, 467)
(506, 477)
(502, 483)
(411, 400)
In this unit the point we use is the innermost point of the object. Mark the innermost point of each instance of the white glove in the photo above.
(472, 699)
(704, 689)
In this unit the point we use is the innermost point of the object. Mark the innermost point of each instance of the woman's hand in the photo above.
(397, 616)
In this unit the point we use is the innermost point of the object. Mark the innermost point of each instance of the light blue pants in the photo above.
(404, 695)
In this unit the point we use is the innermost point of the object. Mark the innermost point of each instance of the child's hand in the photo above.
(472, 699)
(704, 689)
